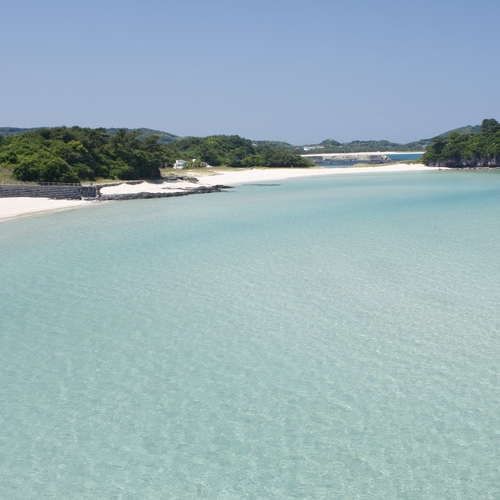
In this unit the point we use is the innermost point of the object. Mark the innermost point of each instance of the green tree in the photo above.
(279, 158)
(467, 149)
(489, 126)
(44, 167)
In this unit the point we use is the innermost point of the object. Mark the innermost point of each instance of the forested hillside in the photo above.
(466, 150)
(75, 154)
(332, 146)
(63, 154)
(234, 151)
(163, 137)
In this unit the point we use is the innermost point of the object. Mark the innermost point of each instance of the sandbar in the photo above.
(11, 208)
(249, 176)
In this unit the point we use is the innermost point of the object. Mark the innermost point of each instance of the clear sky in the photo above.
(299, 72)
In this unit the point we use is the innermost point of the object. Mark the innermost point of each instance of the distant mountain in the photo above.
(326, 146)
(285, 146)
(332, 146)
(469, 129)
(165, 137)
(6, 131)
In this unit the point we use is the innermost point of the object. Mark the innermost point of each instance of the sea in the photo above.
(332, 337)
(393, 158)
(404, 156)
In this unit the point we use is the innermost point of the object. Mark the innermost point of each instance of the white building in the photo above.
(179, 164)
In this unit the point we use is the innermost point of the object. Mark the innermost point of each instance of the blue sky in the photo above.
(299, 72)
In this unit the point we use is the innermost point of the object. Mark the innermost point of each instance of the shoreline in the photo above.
(13, 208)
(249, 176)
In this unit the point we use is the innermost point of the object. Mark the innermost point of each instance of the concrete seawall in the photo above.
(54, 192)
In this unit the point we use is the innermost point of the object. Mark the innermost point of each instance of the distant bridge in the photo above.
(352, 158)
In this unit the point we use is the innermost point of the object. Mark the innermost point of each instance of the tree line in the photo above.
(74, 154)
(466, 150)
(333, 146)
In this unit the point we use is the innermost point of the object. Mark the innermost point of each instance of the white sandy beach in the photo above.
(11, 208)
(229, 178)
(150, 187)
(16, 207)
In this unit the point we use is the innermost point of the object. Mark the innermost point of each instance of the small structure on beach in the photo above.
(179, 164)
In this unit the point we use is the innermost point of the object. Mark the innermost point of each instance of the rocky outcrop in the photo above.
(476, 161)
(145, 195)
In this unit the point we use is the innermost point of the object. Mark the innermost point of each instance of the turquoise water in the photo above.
(394, 157)
(404, 156)
(332, 337)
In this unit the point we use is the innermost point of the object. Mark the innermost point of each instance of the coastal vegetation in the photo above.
(62, 154)
(234, 151)
(458, 150)
(75, 154)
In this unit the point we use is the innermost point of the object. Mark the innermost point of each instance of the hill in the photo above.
(7, 131)
(144, 133)
(466, 149)
(326, 146)
(332, 146)
(468, 129)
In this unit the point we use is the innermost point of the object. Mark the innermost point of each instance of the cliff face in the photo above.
(473, 162)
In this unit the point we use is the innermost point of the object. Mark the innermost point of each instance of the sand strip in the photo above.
(11, 208)
(16, 207)
(230, 178)
(149, 187)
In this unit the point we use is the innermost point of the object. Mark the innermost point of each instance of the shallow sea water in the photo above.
(333, 337)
